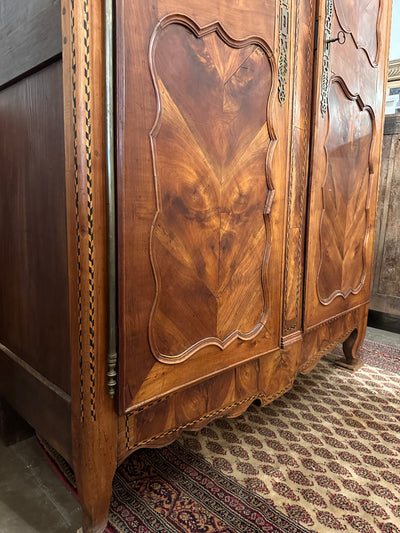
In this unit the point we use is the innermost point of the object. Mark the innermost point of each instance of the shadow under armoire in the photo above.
(187, 210)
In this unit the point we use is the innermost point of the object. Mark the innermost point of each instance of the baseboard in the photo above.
(41, 403)
(385, 321)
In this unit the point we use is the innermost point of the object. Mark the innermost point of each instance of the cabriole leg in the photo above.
(352, 361)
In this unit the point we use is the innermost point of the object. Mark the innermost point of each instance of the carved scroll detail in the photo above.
(211, 144)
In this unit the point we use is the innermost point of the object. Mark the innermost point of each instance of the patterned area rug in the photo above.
(323, 457)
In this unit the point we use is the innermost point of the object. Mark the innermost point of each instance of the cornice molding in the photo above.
(394, 70)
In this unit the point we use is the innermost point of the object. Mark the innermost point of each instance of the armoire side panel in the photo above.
(30, 35)
(34, 315)
(345, 157)
(200, 186)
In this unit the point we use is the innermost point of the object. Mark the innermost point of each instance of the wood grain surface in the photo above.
(30, 34)
(231, 392)
(234, 187)
(200, 246)
(34, 318)
(361, 21)
(298, 171)
(343, 189)
(209, 241)
(385, 296)
(93, 419)
(344, 225)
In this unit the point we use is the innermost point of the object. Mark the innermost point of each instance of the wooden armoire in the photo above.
(187, 210)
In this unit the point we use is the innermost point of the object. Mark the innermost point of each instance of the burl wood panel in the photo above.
(202, 141)
(34, 317)
(344, 224)
(209, 241)
(345, 161)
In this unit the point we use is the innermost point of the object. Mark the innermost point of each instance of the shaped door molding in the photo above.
(357, 21)
(210, 238)
(344, 225)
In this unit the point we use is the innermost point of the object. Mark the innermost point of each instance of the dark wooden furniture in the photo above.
(238, 264)
(385, 295)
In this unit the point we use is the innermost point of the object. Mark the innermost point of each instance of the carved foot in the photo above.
(95, 502)
(351, 361)
(98, 528)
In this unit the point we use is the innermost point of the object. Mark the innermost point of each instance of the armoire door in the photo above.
(346, 145)
(203, 131)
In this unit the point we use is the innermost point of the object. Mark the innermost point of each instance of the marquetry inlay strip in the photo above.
(87, 152)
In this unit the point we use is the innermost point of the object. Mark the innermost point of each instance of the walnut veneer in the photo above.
(236, 150)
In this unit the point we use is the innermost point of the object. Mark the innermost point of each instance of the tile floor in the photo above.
(33, 499)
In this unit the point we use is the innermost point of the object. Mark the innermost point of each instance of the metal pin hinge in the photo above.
(316, 35)
(112, 374)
